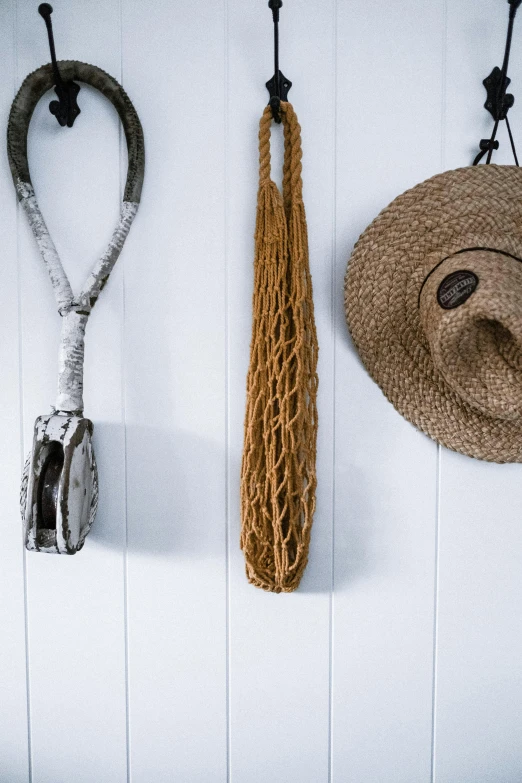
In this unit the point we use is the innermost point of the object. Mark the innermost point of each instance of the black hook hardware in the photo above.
(498, 101)
(278, 85)
(66, 108)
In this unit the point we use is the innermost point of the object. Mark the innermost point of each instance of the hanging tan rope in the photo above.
(278, 478)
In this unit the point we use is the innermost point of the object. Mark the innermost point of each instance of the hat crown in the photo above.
(471, 314)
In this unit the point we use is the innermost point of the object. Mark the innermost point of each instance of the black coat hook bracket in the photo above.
(498, 100)
(278, 85)
(66, 108)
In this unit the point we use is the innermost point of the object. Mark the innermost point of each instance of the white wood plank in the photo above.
(479, 675)
(279, 644)
(14, 758)
(173, 65)
(76, 604)
(389, 81)
(187, 268)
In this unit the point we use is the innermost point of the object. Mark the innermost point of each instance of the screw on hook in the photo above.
(66, 108)
(278, 85)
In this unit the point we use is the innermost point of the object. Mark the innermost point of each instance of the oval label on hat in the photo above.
(456, 288)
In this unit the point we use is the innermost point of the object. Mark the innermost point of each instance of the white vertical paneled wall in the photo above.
(148, 656)
(385, 471)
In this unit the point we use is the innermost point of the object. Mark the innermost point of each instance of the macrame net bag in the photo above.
(278, 479)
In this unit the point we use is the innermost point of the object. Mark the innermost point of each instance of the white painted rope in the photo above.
(74, 310)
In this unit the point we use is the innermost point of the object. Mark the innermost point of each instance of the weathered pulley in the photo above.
(59, 494)
(60, 485)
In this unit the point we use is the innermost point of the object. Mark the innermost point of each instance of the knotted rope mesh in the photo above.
(278, 478)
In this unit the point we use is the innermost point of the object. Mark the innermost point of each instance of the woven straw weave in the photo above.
(456, 374)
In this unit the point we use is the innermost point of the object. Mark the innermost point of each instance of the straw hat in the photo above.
(433, 298)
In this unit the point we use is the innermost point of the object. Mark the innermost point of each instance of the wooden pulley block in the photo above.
(59, 494)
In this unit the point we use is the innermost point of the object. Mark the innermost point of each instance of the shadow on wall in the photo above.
(343, 333)
(176, 506)
(356, 530)
(175, 492)
(353, 544)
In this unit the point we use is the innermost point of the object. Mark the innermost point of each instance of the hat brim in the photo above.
(474, 207)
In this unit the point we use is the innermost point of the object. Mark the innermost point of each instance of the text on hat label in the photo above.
(456, 288)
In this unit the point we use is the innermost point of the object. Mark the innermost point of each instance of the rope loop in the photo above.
(292, 167)
(33, 88)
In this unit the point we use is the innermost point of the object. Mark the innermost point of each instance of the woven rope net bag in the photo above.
(433, 300)
(278, 478)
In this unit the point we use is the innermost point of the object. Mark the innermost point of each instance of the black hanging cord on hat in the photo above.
(66, 108)
(498, 101)
(278, 85)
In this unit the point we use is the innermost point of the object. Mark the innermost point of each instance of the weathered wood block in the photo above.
(59, 495)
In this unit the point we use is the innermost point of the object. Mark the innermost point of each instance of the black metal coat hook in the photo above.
(66, 108)
(278, 85)
(498, 101)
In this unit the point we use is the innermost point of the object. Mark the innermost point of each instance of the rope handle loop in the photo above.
(292, 166)
(33, 88)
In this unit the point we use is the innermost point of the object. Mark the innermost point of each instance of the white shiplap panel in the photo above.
(76, 604)
(14, 760)
(479, 674)
(389, 83)
(279, 644)
(173, 64)
(196, 74)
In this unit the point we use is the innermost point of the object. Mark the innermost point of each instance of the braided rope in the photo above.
(74, 309)
(278, 478)
(34, 87)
